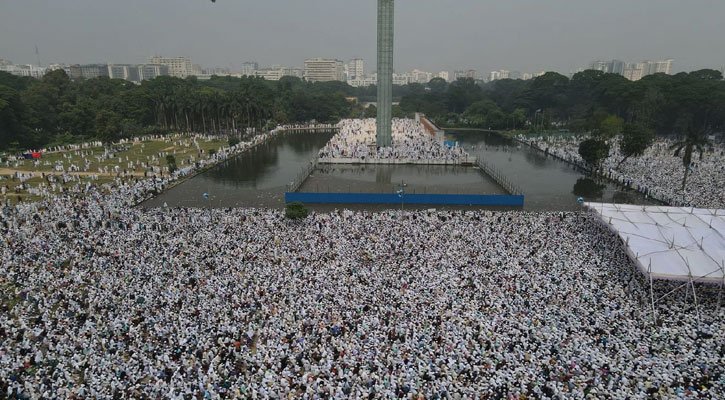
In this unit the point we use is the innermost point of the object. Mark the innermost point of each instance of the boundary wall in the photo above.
(412, 199)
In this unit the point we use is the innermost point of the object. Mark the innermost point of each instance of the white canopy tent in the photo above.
(670, 243)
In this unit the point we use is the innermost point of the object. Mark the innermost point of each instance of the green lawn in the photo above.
(182, 148)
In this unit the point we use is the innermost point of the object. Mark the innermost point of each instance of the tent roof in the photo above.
(671, 243)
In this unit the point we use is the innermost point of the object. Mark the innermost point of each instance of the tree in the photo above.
(695, 141)
(484, 113)
(438, 85)
(518, 118)
(296, 211)
(611, 127)
(594, 151)
(107, 127)
(371, 111)
(636, 138)
(11, 117)
(171, 163)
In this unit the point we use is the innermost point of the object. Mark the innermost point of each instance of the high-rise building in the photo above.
(599, 65)
(468, 74)
(386, 31)
(152, 71)
(269, 74)
(418, 76)
(277, 73)
(28, 70)
(498, 75)
(88, 71)
(324, 70)
(634, 71)
(355, 68)
(658, 67)
(127, 72)
(616, 67)
(179, 67)
(443, 75)
(248, 68)
(401, 79)
(293, 71)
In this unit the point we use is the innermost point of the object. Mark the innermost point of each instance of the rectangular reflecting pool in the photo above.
(414, 179)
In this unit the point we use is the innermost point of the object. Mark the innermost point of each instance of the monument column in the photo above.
(386, 24)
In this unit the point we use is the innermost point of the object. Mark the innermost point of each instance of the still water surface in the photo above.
(259, 177)
(548, 183)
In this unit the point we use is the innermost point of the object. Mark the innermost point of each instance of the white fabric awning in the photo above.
(671, 243)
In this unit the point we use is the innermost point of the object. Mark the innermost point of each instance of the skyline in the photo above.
(227, 33)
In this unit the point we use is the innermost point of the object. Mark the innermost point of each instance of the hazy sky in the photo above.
(433, 35)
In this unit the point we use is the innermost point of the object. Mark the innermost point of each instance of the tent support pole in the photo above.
(687, 292)
(694, 296)
(652, 299)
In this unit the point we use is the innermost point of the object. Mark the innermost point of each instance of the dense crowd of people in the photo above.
(356, 139)
(102, 300)
(658, 172)
(147, 178)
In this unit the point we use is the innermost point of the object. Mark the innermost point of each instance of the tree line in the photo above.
(668, 104)
(55, 109)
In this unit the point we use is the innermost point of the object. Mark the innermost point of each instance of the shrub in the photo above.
(233, 141)
(296, 210)
(171, 161)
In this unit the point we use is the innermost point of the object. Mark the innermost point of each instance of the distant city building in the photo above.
(599, 66)
(270, 74)
(293, 71)
(658, 67)
(443, 75)
(127, 72)
(616, 67)
(418, 76)
(612, 67)
(634, 71)
(276, 73)
(137, 72)
(55, 67)
(148, 72)
(324, 70)
(471, 73)
(498, 75)
(355, 68)
(219, 71)
(179, 67)
(249, 67)
(88, 71)
(401, 79)
(32, 71)
(368, 80)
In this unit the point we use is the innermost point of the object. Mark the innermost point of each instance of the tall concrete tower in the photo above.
(386, 25)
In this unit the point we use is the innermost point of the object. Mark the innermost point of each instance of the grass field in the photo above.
(140, 154)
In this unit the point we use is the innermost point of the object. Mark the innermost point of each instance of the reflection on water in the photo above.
(547, 183)
(257, 178)
(438, 179)
(588, 188)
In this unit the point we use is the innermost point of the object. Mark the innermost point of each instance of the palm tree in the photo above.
(695, 141)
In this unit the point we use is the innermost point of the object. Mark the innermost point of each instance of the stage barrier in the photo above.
(412, 199)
